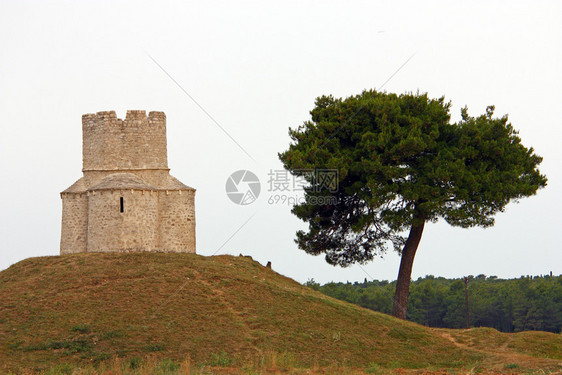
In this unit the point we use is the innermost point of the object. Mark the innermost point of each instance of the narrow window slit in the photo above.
(122, 205)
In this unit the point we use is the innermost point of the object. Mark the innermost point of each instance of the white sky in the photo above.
(257, 67)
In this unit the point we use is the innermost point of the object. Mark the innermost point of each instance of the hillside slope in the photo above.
(87, 308)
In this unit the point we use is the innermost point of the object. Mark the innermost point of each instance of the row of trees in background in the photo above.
(527, 303)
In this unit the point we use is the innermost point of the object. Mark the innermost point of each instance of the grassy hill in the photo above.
(224, 311)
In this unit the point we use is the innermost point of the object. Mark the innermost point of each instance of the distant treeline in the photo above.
(527, 303)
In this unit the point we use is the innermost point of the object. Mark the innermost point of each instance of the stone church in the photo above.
(126, 200)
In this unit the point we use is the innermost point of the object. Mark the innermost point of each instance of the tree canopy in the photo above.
(401, 163)
(526, 303)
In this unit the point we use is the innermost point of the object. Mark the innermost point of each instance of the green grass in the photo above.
(90, 310)
(538, 344)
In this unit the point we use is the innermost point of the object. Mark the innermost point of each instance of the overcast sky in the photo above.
(256, 68)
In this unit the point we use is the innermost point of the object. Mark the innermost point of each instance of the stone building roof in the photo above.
(174, 184)
(122, 181)
(116, 181)
(77, 187)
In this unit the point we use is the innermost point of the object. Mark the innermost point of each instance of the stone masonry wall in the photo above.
(74, 223)
(177, 221)
(135, 228)
(138, 142)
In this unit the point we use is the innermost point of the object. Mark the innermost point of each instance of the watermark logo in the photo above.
(287, 188)
(243, 187)
(322, 180)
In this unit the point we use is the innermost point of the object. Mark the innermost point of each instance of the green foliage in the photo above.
(401, 161)
(312, 284)
(527, 303)
(81, 328)
(374, 368)
(220, 360)
(167, 366)
(112, 334)
(155, 347)
(62, 369)
(72, 346)
(134, 363)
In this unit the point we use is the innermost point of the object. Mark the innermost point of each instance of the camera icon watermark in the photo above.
(243, 187)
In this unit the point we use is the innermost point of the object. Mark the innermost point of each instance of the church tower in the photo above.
(126, 200)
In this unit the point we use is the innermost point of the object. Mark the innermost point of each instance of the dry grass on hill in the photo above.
(229, 314)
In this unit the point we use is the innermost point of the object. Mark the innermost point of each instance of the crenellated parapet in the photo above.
(137, 142)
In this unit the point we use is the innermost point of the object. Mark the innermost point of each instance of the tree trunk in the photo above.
(406, 263)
